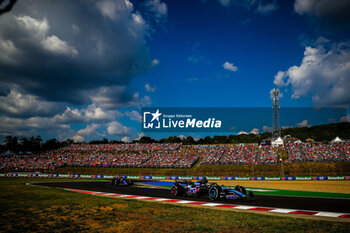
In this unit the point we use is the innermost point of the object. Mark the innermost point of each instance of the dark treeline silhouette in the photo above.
(320, 133)
(31, 145)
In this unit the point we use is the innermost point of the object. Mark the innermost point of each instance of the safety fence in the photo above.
(81, 176)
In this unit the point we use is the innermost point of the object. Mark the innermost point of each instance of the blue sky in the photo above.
(84, 70)
(200, 38)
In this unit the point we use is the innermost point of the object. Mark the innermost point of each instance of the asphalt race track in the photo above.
(302, 203)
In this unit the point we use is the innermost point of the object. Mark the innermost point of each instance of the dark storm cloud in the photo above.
(114, 97)
(19, 104)
(66, 51)
(328, 11)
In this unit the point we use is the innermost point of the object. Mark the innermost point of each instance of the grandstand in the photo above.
(172, 155)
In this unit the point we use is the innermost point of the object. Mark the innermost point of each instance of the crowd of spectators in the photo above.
(122, 147)
(171, 155)
(242, 154)
(211, 154)
(318, 152)
(238, 154)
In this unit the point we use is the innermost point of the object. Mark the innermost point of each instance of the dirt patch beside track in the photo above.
(330, 186)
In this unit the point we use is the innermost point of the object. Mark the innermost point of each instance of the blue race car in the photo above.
(121, 180)
(215, 191)
(189, 188)
(219, 192)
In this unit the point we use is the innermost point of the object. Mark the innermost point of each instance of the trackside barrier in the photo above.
(158, 177)
(288, 178)
(81, 176)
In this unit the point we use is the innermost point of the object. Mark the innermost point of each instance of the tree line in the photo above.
(31, 145)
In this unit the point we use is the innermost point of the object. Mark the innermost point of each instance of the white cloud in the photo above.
(36, 28)
(57, 62)
(114, 10)
(324, 73)
(9, 52)
(39, 31)
(229, 66)
(90, 130)
(304, 123)
(70, 115)
(155, 62)
(149, 88)
(279, 79)
(17, 103)
(267, 8)
(262, 7)
(158, 9)
(254, 131)
(55, 45)
(71, 65)
(138, 20)
(126, 139)
(91, 113)
(116, 128)
(78, 138)
(134, 115)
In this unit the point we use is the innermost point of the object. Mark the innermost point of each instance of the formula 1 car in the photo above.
(189, 188)
(219, 192)
(121, 180)
(215, 191)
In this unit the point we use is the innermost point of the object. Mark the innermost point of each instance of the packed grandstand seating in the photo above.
(318, 152)
(171, 155)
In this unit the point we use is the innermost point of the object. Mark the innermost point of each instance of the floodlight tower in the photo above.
(276, 132)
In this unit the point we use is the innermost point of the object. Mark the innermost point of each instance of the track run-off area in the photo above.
(317, 206)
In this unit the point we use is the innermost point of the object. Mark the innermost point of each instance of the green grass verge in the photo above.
(43, 209)
(294, 193)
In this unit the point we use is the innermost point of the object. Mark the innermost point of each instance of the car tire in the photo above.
(175, 191)
(214, 193)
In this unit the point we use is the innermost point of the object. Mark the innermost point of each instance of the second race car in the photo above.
(121, 180)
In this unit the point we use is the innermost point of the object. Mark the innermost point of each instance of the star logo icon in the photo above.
(156, 115)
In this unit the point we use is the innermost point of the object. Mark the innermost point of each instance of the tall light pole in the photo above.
(276, 132)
